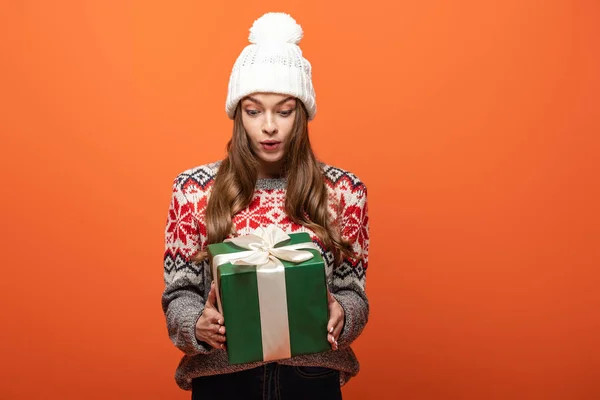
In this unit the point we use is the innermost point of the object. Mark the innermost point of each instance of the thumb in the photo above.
(212, 296)
(330, 298)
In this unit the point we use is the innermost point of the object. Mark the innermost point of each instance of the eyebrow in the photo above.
(252, 99)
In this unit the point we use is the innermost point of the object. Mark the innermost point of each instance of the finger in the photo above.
(212, 296)
(220, 342)
(214, 328)
(220, 319)
(220, 339)
(218, 329)
(338, 329)
(330, 338)
(330, 297)
(337, 324)
(331, 324)
(216, 340)
(334, 319)
(209, 340)
(332, 341)
(213, 316)
(216, 344)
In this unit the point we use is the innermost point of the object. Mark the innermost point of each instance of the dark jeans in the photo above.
(270, 382)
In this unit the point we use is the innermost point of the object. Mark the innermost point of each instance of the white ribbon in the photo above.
(270, 276)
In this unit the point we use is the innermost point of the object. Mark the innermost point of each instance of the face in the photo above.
(269, 120)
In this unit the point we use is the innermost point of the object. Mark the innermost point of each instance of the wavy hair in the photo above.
(306, 200)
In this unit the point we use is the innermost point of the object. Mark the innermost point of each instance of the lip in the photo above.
(270, 145)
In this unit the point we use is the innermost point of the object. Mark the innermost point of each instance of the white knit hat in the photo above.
(272, 63)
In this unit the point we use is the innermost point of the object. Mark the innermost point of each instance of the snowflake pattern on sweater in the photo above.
(187, 283)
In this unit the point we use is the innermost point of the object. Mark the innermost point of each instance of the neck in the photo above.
(270, 170)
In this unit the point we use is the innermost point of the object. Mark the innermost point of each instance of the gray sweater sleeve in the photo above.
(348, 284)
(183, 297)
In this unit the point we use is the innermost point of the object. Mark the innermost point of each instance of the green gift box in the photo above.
(274, 306)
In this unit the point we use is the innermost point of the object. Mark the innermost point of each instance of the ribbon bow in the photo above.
(262, 243)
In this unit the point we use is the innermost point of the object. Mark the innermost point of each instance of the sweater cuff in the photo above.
(189, 332)
(353, 323)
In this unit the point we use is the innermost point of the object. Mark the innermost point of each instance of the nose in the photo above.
(270, 126)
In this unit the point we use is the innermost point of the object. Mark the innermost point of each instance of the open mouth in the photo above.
(270, 145)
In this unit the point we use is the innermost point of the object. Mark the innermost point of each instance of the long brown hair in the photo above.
(306, 199)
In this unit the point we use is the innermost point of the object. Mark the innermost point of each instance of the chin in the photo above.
(271, 158)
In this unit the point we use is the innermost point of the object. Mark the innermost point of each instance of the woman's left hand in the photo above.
(336, 320)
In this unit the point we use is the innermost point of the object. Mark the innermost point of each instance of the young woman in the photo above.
(270, 176)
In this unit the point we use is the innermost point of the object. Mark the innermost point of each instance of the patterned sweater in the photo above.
(187, 283)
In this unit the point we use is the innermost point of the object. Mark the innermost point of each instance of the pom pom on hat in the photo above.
(275, 27)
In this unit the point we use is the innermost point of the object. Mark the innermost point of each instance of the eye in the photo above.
(286, 113)
(252, 113)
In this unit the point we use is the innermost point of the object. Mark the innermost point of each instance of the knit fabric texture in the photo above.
(272, 63)
(187, 283)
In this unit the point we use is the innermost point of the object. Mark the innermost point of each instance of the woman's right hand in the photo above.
(209, 327)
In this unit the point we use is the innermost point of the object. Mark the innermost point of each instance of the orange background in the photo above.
(474, 125)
